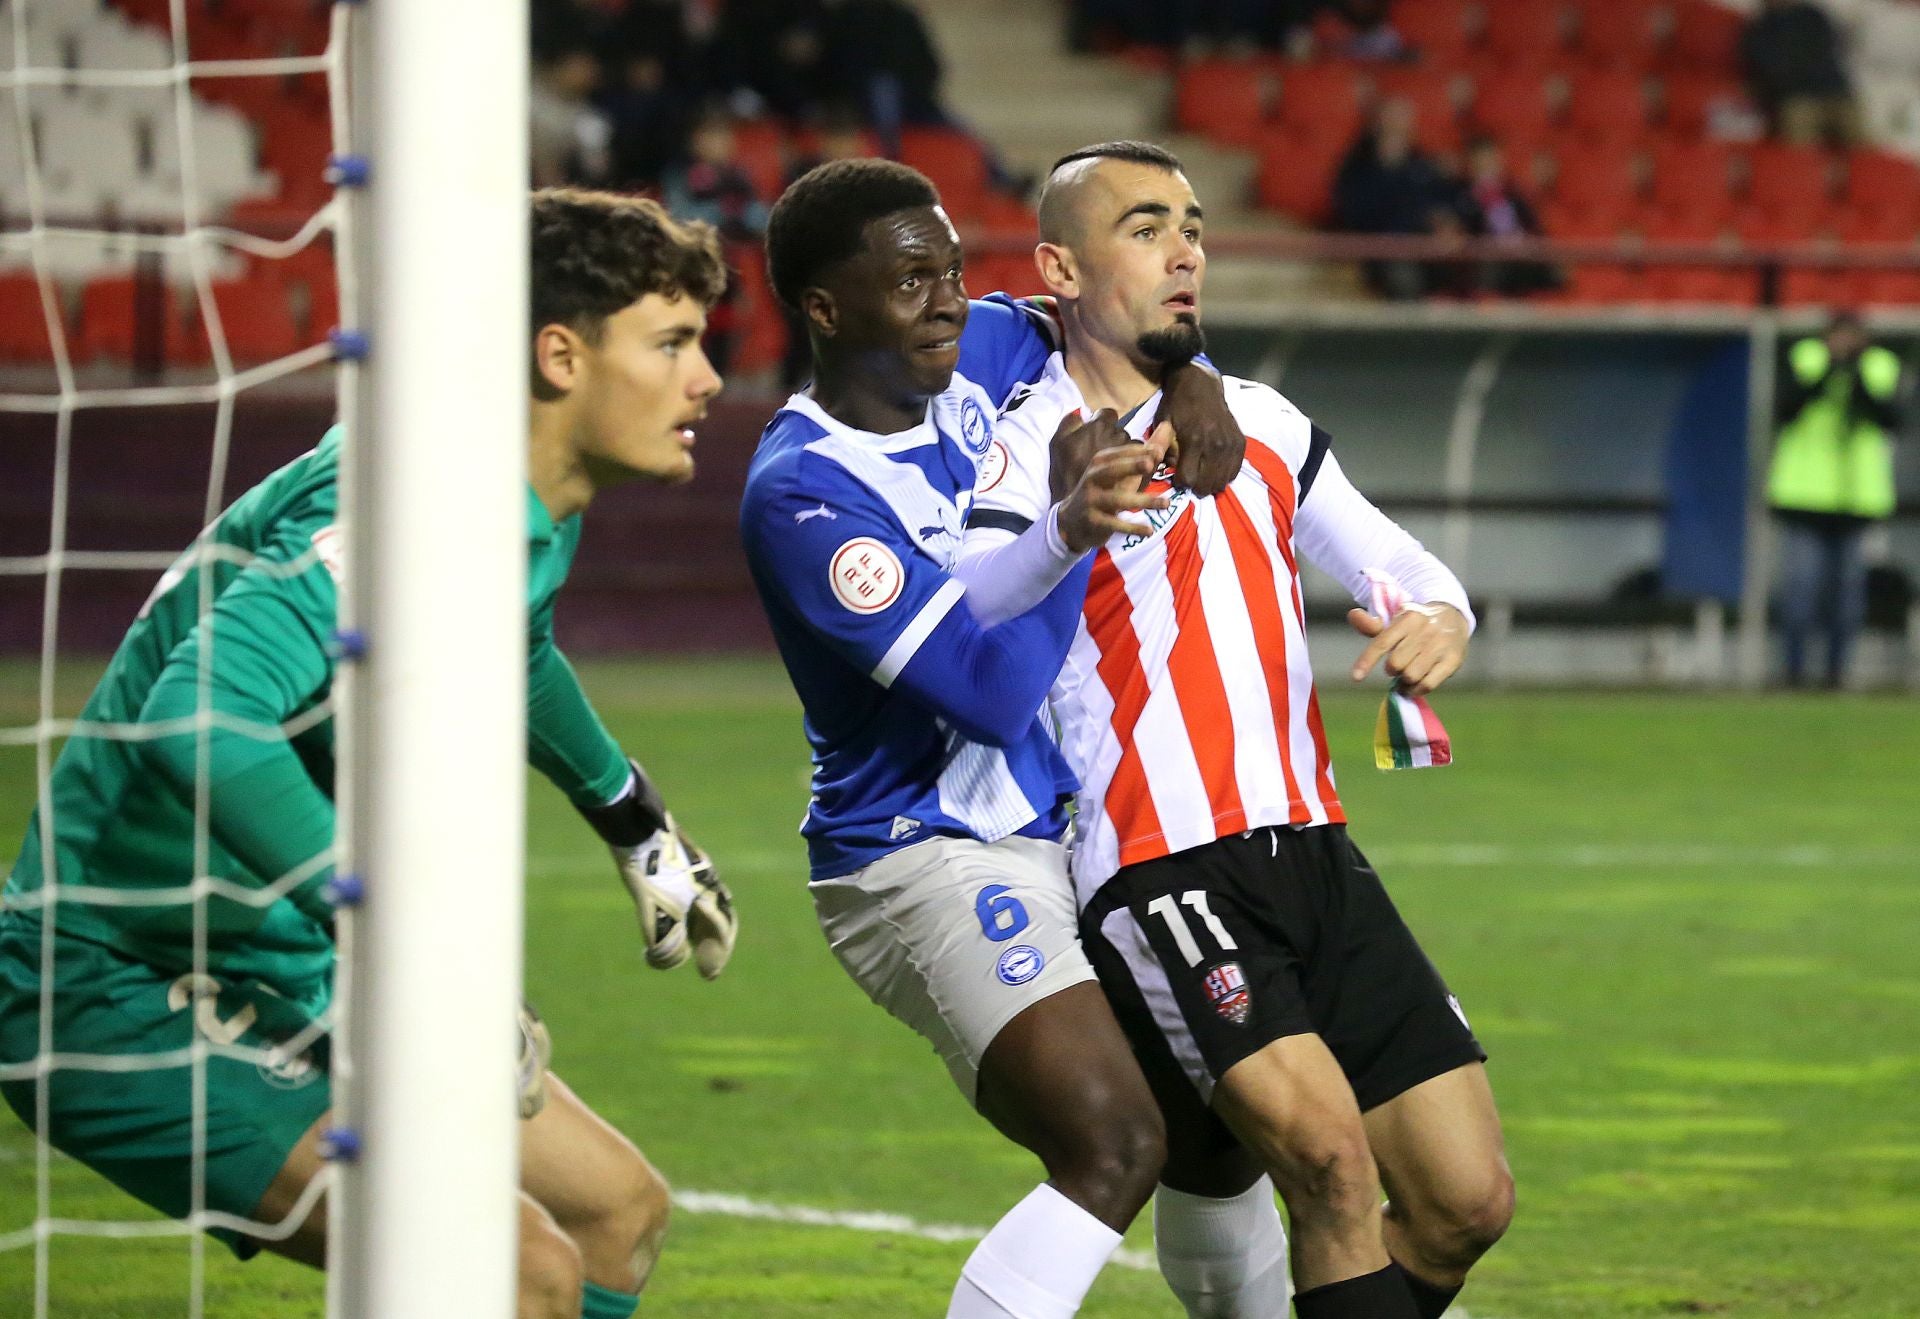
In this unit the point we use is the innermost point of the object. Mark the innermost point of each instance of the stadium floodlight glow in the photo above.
(432, 709)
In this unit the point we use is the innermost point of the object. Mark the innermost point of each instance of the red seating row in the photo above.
(1238, 101)
(257, 316)
(1609, 282)
(1622, 34)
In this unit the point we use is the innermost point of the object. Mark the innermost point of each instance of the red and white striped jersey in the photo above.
(1187, 705)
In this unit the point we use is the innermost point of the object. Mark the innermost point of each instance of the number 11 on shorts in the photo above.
(1165, 908)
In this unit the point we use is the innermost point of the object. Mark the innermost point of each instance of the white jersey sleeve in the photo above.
(1341, 532)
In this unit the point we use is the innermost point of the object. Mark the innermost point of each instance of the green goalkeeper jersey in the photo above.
(123, 811)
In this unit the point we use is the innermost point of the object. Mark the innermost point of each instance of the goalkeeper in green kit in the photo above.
(620, 293)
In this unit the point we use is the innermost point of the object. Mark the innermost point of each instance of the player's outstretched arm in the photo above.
(1340, 531)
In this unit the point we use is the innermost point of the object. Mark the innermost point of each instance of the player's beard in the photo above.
(1173, 344)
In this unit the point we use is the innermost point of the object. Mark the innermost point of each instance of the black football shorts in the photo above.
(1213, 953)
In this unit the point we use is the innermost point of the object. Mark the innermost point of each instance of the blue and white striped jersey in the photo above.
(922, 722)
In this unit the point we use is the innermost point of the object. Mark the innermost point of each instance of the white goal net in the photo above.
(196, 197)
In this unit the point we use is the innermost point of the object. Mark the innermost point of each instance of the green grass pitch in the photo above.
(1686, 927)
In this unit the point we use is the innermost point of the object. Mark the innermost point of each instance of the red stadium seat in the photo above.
(1526, 31)
(1003, 272)
(1788, 178)
(760, 149)
(1321, 101)
(1603, 282)
(1816, 286)
(1002, 215)
(1441, 30)
(1738, 284)
(107, 326)
(1886, 288)
(295, 142)
(954, 161)
(1296, 175)
(1223, 99)
(1691, 100)
(1611, 176)
(1431, 91)
(1590, 223)
(255, 316)
(1620, 34)
(1608, 107)
(1706, 36)
(23, 321)
(1692, 176)
(1881, 181)
(762, 341)
(1517, 106)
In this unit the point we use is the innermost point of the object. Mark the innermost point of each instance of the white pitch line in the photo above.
(858, 1220)
(1641, 856)
(868, 1220)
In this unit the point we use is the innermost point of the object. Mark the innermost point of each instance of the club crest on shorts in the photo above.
(1021, 963)
(1227, 991)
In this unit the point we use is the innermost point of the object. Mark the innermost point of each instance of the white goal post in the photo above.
(432, 715)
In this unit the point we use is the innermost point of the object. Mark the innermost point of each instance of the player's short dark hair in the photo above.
(820, 220)
(597, 253)
(1140, 153)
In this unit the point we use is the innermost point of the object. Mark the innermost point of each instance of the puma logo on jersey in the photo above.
(807, 514)
(928, 533)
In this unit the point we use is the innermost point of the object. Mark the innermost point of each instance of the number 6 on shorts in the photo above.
(1001, 916)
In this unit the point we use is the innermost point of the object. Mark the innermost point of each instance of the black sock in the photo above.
(1381, 1295)
(1431, 1301)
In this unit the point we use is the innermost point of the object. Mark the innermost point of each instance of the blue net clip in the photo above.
(349, 345)
(345, 890)
(340, 1145)
(348, 644)
(348, 170)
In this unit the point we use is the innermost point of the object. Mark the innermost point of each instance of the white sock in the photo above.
(1224, 1259)
(1036, 1263)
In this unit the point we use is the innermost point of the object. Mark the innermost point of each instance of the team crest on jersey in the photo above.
(904, 826)
(1227, 991)
(992, 468)
(975, 434)
(284, 1072)
(866, 575)
(1021, 963)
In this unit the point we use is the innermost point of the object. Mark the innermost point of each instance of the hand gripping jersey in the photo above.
(1186, 705)
(922, 722)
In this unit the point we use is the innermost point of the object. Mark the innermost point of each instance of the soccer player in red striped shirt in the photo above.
(1295, 1033)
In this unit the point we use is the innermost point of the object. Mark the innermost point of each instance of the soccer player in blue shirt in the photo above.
(939, 808)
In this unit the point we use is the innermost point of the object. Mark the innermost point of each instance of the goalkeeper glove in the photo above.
(536, 1052)
(683, 907)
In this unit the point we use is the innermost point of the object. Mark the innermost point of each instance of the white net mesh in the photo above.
(142, 142)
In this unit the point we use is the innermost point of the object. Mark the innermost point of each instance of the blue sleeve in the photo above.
(1007, 343)
(848, 572)
(989, 682)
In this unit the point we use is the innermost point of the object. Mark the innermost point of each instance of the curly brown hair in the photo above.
(597, 253)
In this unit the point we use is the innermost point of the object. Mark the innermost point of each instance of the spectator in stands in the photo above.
(882, 51)
(568, 139)
(710, 185)
(1795, 69)
(771, 56)
(1387, 185)
(1831, 478)
(1492, 205)
(648, 113)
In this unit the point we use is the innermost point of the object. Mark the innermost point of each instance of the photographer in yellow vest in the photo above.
(1831, 478)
